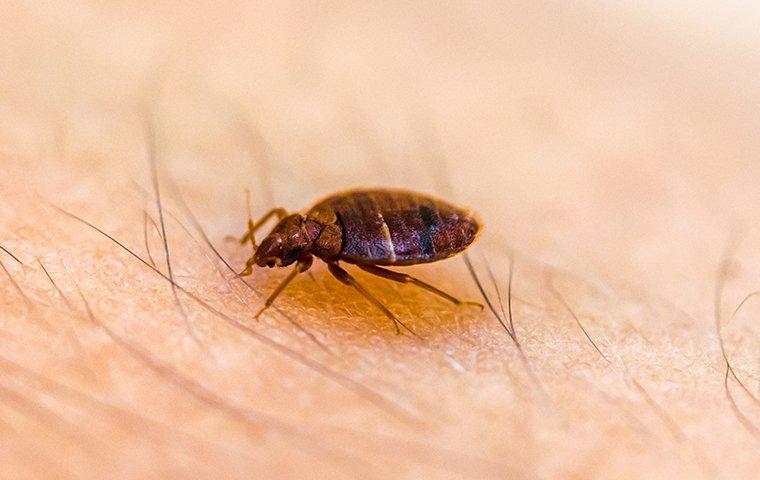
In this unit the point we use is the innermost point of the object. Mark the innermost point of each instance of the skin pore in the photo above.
(618, 193)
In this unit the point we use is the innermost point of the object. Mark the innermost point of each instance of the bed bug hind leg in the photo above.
(301, 266)
(345, 277)
(404, 278)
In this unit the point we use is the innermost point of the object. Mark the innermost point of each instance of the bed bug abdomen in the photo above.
(398, 227)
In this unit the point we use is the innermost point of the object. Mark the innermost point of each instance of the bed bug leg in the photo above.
(250, 234)
(301, 266)
(345, 277)
(253, 227)
(404, 278)
(248, 267)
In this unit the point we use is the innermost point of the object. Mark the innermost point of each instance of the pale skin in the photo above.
(622, 185)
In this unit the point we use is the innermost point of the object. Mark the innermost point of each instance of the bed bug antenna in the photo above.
(249, 209)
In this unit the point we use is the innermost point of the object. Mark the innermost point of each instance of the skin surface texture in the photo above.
(610, 148)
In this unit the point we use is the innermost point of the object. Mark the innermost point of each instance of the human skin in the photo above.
(611, 153)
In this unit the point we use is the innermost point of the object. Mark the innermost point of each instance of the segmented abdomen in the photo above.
(399, 227)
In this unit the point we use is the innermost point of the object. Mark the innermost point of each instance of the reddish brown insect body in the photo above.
(368, 228)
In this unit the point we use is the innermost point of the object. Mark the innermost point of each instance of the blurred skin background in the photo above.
(611, 150)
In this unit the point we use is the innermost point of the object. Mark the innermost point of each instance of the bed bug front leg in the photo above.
(249, 236)
(404, 278)
(253, 227)
(301, 266)
(345, 277)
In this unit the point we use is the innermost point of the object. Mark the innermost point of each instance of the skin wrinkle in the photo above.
(134, 423)
(128, 419)
(616, 173)
(53, 421)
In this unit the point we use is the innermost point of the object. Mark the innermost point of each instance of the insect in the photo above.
(370, 229)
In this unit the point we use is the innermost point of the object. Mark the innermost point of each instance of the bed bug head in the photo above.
(290, 240)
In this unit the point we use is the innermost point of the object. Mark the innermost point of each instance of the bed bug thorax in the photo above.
(368, 228)
(295, 237)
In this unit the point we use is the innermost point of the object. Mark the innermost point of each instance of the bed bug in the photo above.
(371, 229)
